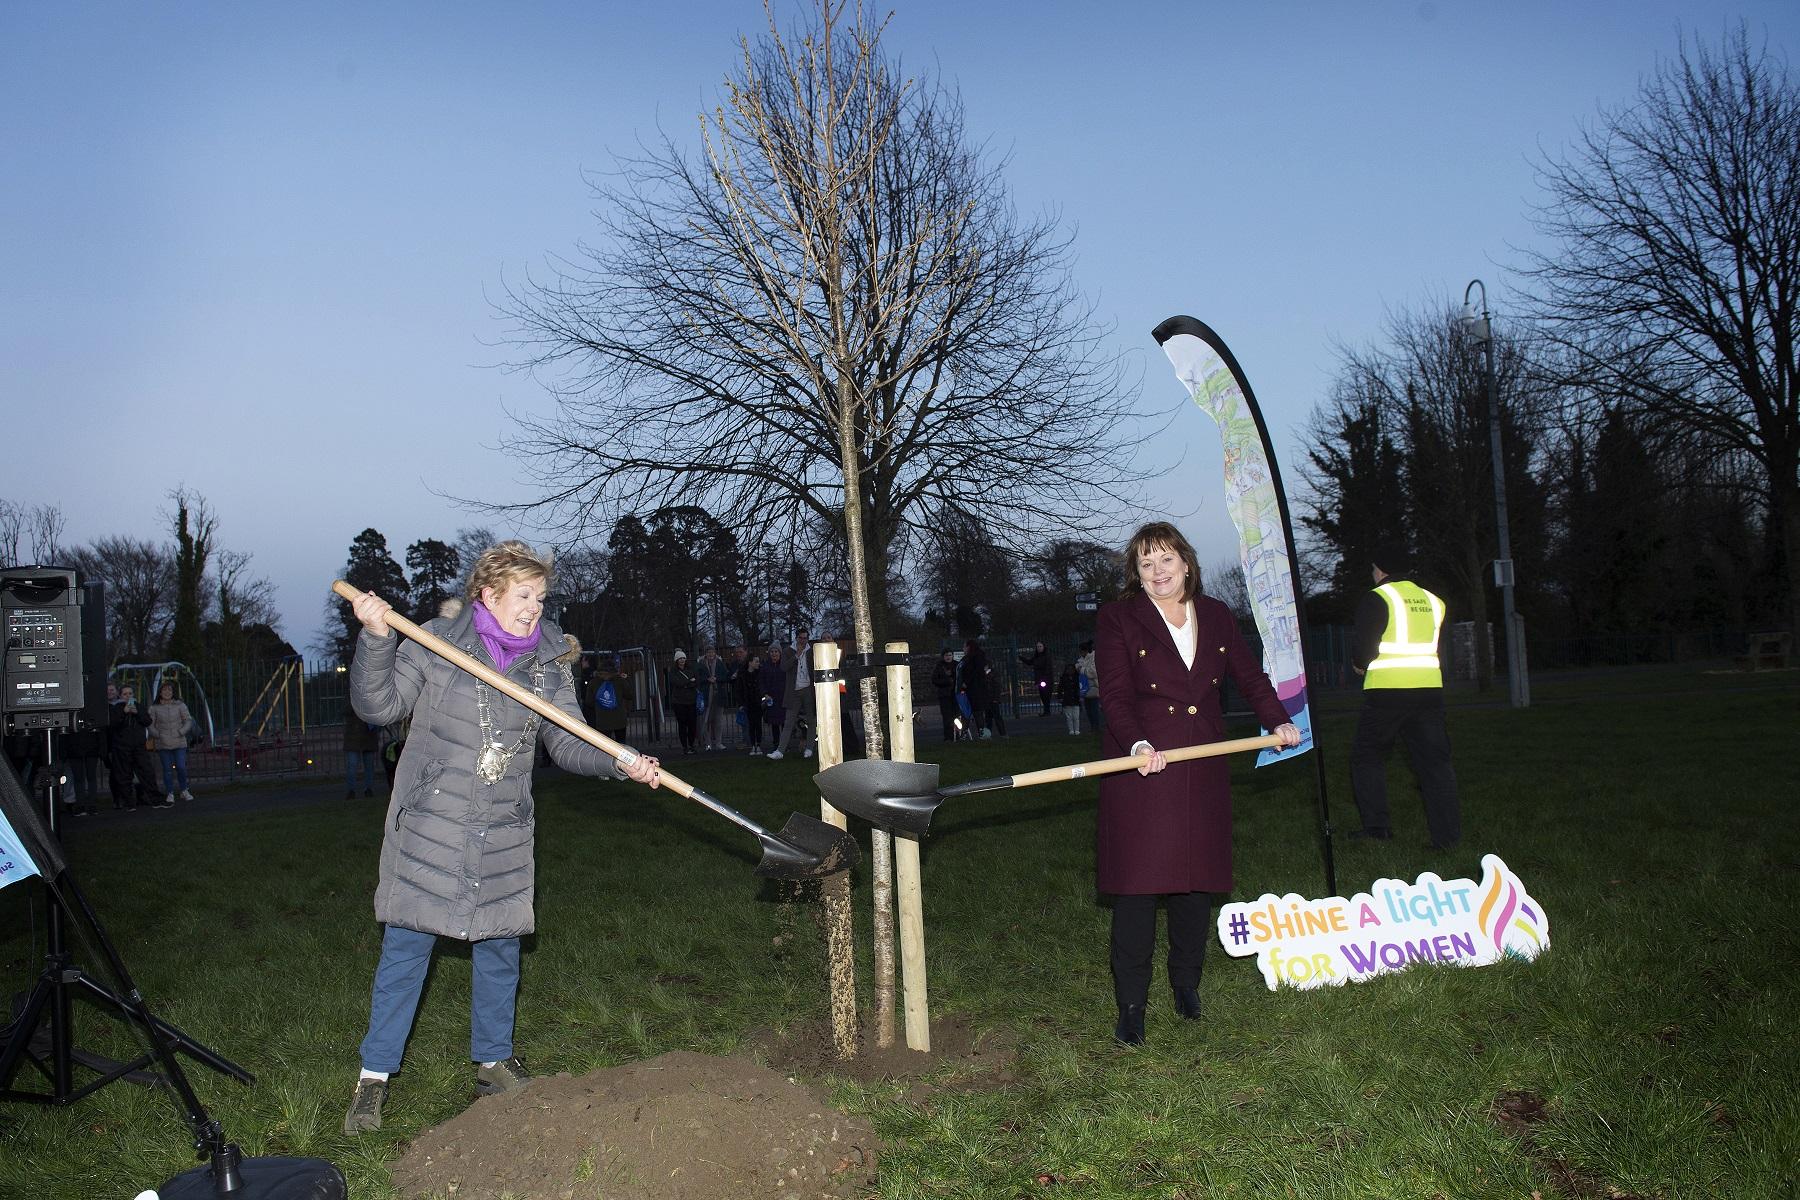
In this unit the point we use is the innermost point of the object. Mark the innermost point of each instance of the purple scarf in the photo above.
(503, 647)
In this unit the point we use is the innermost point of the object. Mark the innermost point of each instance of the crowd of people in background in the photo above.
(142, 748)
(759, 700)
(737, 698)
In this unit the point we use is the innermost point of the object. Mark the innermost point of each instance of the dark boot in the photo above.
(1187, 1003)
(1130, 1029)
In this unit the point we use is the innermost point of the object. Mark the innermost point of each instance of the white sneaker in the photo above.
(806, 753)
(169, 799)
(756, 752)
(187, 795)
(774, 755)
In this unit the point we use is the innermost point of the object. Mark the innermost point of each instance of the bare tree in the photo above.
(1425, 391)
(243, 600)
(1677, 279)
(40, 525)
(140, 586)
(1224, 582)
(44, 525)
(838, 282)
(12, 531)
(835, 312)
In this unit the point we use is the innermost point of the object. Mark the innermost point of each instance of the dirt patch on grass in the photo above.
(680, 1126)
(1519, 1113)
(961, 1058)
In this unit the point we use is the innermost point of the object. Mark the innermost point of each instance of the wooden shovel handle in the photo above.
(499, 682)
(1112, 766)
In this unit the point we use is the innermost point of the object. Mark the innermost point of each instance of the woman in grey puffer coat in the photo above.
(456, 851)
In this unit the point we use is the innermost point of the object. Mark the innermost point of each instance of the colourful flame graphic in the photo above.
(1512, 912)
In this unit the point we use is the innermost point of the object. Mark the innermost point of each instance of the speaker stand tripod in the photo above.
(226, 1173)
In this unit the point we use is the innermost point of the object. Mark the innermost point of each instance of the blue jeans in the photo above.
(174, 764)
(400, 976)
(368, 769)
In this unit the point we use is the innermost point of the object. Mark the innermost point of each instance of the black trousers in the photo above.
(686, 722)
(948, 713)
(1416, 718)
(1134, 942)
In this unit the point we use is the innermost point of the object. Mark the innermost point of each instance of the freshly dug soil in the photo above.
(681, 1126)
(960, 1058)
(689, 1126)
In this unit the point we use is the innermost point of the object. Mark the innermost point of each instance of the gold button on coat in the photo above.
(1140, 654)
(1153, 687)
(1192, 710)
(1171, 708)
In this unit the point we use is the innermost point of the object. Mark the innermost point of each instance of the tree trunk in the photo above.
(1785, 503)
(880, 843)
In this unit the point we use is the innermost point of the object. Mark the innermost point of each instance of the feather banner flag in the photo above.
(1258, 508)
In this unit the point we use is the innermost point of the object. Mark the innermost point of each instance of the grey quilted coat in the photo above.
(456, 853)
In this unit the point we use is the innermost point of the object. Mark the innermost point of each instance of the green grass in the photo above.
(1652, 814)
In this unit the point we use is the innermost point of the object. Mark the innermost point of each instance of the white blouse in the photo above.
(1184, 636)
(1184, 642)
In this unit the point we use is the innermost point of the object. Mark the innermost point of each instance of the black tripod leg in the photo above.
(24, 1031)
(176, 1039)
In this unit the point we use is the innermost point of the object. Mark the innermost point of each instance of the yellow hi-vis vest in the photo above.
(1409, 645)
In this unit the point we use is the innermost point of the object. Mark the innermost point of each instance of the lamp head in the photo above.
(1474, 323)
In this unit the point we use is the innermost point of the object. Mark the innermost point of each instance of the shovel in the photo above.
(902, 796)
(806, 847)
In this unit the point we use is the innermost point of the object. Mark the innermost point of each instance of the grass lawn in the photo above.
(1651, 1052)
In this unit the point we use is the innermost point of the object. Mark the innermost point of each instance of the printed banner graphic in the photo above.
(1313, 943)
(15, 864)
(1211, 375)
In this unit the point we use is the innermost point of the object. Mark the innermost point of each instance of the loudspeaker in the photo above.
(54, 669)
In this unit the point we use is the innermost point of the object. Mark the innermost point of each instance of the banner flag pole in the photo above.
(1259, 509)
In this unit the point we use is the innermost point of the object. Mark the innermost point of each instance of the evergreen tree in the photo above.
(1356, 476)
(193, 524)
(436, 569)
(370, 569)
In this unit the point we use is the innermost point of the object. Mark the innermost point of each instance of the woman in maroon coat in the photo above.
(1163, 652)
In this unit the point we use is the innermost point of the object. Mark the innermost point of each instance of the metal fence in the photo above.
(286, 718)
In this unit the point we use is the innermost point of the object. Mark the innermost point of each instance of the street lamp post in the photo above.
(1478, 324)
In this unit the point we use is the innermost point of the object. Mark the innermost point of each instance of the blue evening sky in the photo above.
(248, 247)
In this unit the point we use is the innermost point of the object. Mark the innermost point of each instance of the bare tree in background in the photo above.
(39, 525)
(140, 589)
(1677, 280)
(243, 600)
(12, 532)
(1224, 582)
(1425, 390)
(44, 526)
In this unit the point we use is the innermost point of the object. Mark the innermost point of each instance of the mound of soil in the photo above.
(681, 1126)
(961, 1058)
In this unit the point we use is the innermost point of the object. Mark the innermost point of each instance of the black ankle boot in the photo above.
(1187, 1003)
(1130, 1029)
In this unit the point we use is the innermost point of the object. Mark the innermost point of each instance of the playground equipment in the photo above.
(638, 665)
(284, 693)
(148, 679)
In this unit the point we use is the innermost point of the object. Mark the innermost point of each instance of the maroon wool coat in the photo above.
(1170, 832)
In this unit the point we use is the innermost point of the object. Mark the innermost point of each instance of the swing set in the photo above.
(148, 678)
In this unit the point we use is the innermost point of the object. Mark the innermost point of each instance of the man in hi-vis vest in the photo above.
(1395, 650)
